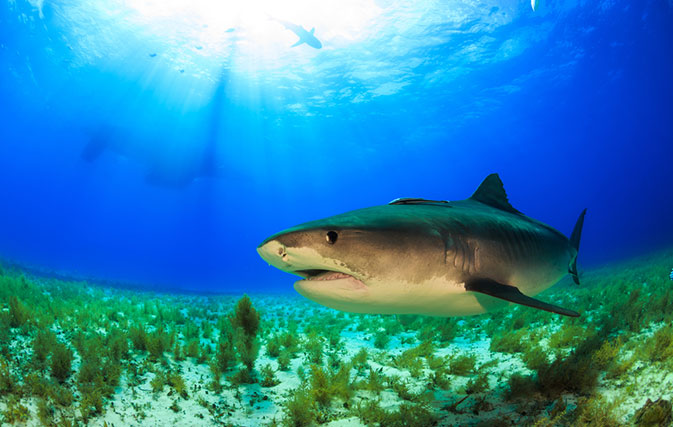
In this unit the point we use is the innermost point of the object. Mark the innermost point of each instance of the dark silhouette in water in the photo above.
(172, 168)
(307, 37)
(166, 169)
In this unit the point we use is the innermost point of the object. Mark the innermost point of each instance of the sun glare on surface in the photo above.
(260, 21)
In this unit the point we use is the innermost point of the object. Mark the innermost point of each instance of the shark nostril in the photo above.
(281, 251)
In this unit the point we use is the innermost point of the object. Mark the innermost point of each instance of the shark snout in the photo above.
(285, 254)
(275, 253)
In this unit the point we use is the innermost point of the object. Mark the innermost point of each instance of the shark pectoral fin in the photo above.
(513, 294)
(312, 30)
(300, 41)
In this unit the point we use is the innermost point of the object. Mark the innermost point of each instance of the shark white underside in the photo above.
(438, 298)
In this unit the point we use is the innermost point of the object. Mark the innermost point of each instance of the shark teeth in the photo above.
(331, 275)
(323, 275)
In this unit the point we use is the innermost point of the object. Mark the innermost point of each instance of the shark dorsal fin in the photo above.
(491, 192)
(312, 30)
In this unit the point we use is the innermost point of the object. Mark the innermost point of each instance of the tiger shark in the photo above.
(428, 257)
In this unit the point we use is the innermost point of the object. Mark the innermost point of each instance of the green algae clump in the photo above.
(61, 362)
(245, 321)
(657, 413)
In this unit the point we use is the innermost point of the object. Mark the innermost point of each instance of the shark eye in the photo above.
(331, 237)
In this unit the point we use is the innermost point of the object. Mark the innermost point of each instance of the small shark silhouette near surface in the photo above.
(438, 258)
(307, 37)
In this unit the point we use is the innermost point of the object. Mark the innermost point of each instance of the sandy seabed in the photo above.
(143, 358)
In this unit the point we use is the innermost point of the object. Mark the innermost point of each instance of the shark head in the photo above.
(363, 261)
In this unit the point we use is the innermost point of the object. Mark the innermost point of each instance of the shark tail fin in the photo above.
(575, 243)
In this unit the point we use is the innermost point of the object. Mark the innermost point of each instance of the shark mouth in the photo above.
(322, 275)
(326, 276)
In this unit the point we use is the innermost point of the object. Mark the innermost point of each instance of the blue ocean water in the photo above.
(159, 142)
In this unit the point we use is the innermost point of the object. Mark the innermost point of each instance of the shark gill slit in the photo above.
(506, 244)
(519, 242)
(528, 242)
(458, 256)
(461, 255)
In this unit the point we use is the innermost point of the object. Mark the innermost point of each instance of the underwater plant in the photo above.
(224, 354)
(478, 384)
(36, 385)
(245, 322)
(7, 381)
(18, 313)
(659, 347)
(192, 349)
(370, 412)
(411, 359)
(341, 385)
(408, 414)
(61, 396)
(268, 376)
(314, 348)
(273, 346)
(462, 365)
(375, 381)
(61, 362)
(299, 409)
(604, 356)
(157, 343)
(402, 389)
(596, 411)
(177, 383)
(535, 358)
(138, 337)
(654, 413)
(117, 344)
(440, 329)
(45, 412)
(569, 335)
(520, 386)
(381, 339)
(360, 359)
(245, 317)
(284, 360)
(42, 344)
(320, 386)
(158, 382)
(510, 342)
(178, 352)
(91, 402)
(15, 412)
